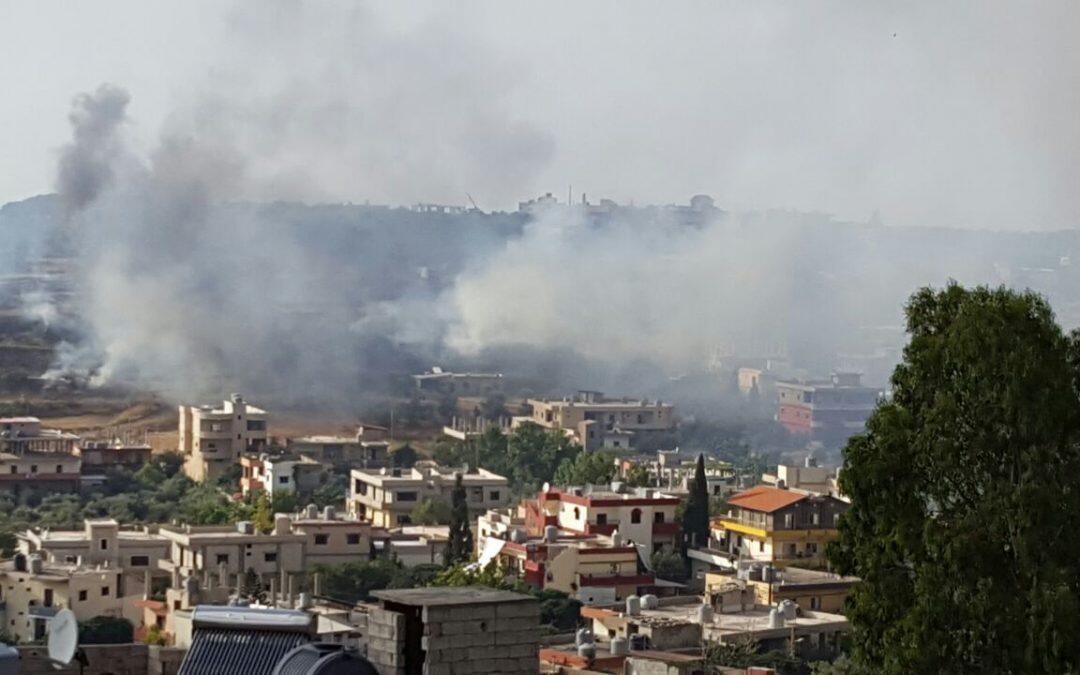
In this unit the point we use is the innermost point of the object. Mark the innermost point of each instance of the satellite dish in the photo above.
(63, 637)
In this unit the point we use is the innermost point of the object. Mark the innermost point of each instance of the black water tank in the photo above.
(20, 562)
(321, 658)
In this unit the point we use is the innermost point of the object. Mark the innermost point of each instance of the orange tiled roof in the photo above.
(765, 498)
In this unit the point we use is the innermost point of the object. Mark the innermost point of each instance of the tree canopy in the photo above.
(588, 468)
(965, 491)
(528, 456)
(695, 516)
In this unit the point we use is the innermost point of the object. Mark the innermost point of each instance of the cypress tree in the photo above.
(459, 548)
(695, 521)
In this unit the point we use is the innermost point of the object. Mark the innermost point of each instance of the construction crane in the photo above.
(471, 201)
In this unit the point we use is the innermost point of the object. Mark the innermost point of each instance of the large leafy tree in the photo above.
(459, 548)
(965, 494)
(695, 519)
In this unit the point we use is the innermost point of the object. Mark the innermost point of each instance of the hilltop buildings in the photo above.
(597, 422)
(439, 382)
(213, 438)
(386, 497)
(829, 411)
(37, 460)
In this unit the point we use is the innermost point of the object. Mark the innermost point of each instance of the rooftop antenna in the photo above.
(64, 640)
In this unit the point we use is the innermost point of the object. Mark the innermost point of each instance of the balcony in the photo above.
(601, 528)
(666, 528)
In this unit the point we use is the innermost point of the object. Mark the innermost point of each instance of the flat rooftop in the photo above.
(463, 595)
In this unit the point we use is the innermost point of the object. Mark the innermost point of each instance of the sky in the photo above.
(928, 113)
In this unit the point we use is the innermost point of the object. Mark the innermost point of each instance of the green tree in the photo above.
(695, 517)
(638, 476)
(964, 494)
(668, 564)
(263, 515)
(431, 512)
(459, 548)
(252, 587)
(354, 581)
(106, 630)
(587, 468)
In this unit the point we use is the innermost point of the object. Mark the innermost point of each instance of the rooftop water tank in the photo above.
(788, 609)
(587, 651)
(633, 605)
(620, 646)
(650, 601)
(776, 619)
(551, 533)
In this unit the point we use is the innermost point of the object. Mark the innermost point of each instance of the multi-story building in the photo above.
(591, 568)
(368, 449)
(102, 455)
(279, 474)
(443, 383)
(386, 497)
(829, 411)
(32, 591)
(19, 435)
(39, 472)
(807, 478)
(816, 590)
(643, 516)
(673, 472)
(777, 526)
(297, 543)
(213, 438)
(100, 542)
(597, 422)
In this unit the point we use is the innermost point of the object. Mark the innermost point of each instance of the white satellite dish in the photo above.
(63, 637)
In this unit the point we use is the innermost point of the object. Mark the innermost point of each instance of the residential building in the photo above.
(816, 590)
(807, 478)
(645, 517)
(828, 411)
(674, 471)
(368, 449)
(779, 526)
(439, 382)
(39, 472)
(297, 543)
(411, 545)
(477, 630)
(280, 474)
(102, 455)
(597, 422)
(213, 438)
(20, 435)
(685, 622)
(386, 497)
(101, 542)
(590, 568)
(32, 591)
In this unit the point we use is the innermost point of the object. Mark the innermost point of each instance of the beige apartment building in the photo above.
(297, 543)
(597, 422)
(24, 434)
(33, 591)
(386, 497)
(213, 438)
(39, 472)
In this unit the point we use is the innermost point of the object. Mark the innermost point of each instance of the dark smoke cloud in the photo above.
(86, 165)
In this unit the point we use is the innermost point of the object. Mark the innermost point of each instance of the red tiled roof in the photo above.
(765, 498)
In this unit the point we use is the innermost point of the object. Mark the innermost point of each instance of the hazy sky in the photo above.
(956, 113)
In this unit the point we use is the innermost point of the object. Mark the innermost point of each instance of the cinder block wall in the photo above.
(462, 639)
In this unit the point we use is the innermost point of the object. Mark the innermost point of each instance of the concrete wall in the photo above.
(130, 659)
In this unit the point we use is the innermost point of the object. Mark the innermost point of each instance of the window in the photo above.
(82, 596)
(815, 603)
(635, 516)
(352, 539)
(284, 480)
(789, 520)
(33, 468)
(59, 468)
(406, 496)
(577, 513)
(223, 558)
(761, 546)
(816, 518)
(322, 539)
(811, 548)
(360, 487)
(14, 469)
(48, 600)
(269, 557)
(256, 425)
(104, 591)
(658, 517)
(494, 495)
(404, 520)
(103, 544)
(140, 560)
